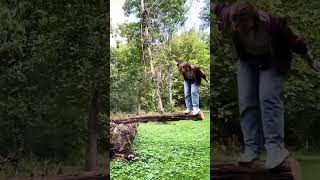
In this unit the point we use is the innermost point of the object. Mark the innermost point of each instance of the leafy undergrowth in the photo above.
(34, 167)
(174, 150)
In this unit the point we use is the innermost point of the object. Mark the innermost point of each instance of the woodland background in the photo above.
(143, 76)
(144, 79)
(54, 86)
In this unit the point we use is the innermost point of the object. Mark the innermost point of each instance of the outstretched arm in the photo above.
(314, 64)
(202, 75)
(298, 46)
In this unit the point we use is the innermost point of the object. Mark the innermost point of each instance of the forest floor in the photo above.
(30, 167)
(172, 150)
(309, 162)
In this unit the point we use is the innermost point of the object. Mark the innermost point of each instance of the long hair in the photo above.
(241, 12)
(184, 65)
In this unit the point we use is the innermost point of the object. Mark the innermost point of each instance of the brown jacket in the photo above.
(197, 71)
(283, 40)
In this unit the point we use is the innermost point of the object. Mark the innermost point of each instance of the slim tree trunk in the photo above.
(158, 92)
(146, 45)
(170, 74)
(91, 159)
(170, 77)
(139, 102)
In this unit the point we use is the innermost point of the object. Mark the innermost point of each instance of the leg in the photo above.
(187, 94)
(250, 122)
(195, 98)
(271, 87)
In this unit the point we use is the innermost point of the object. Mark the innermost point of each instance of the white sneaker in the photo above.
(248, 157)
(195, 111)
(187, 111)
(275, 157)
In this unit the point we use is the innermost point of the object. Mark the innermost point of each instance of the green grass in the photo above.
(310, 165)
(174, 150)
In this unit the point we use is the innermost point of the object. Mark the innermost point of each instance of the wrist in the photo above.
(309, 58)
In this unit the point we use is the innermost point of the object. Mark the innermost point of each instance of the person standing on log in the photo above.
(192, 80)
(264, 44)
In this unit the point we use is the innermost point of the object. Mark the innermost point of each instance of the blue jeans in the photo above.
(261, 107)
(191, 94)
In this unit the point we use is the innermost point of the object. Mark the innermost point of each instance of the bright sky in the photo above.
(117, 16)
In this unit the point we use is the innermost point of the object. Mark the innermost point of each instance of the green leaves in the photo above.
(52, 56)
(179, 150)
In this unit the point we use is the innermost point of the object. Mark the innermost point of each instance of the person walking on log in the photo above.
(192, 80)
(264, 44)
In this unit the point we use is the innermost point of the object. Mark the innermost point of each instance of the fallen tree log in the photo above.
(123, 131)
(91, 175)
(84, 176)
(121, 139)
(288, 170)
(158, 118)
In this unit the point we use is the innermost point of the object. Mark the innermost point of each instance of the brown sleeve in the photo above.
(200, 73)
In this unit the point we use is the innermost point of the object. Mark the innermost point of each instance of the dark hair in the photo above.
(244, 10)
(183, 65)
(186, 65)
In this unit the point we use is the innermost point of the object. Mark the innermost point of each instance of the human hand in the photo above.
(315, 65)
(206, 79)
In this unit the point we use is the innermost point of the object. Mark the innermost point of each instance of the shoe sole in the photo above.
(196, 114)
(248, 164)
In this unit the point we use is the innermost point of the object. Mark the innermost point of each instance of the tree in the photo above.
(54, 64)
(157, 18)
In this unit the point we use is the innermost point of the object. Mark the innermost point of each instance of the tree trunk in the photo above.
(158, 91)
(170, 72)
(91, 175)
(158, 118)
(230, 171)
(139, 102)
(121, 140)
(147, 45)
(152, 69)
(91, 159)
(145, 37)
(170, 78)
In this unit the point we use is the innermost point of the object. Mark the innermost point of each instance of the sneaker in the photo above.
(195, 111)
(187, 111)
(248, 157)
(275, 157)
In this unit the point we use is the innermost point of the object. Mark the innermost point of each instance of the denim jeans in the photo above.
(191, 94)
(261, 107)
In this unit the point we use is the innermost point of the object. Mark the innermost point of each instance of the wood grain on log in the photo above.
(90, 175)
(159, 118)
(121, 139)
(256, 171)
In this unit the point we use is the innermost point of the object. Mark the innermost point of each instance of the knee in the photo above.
(246, 103)
(194, 91)
(270, 101)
